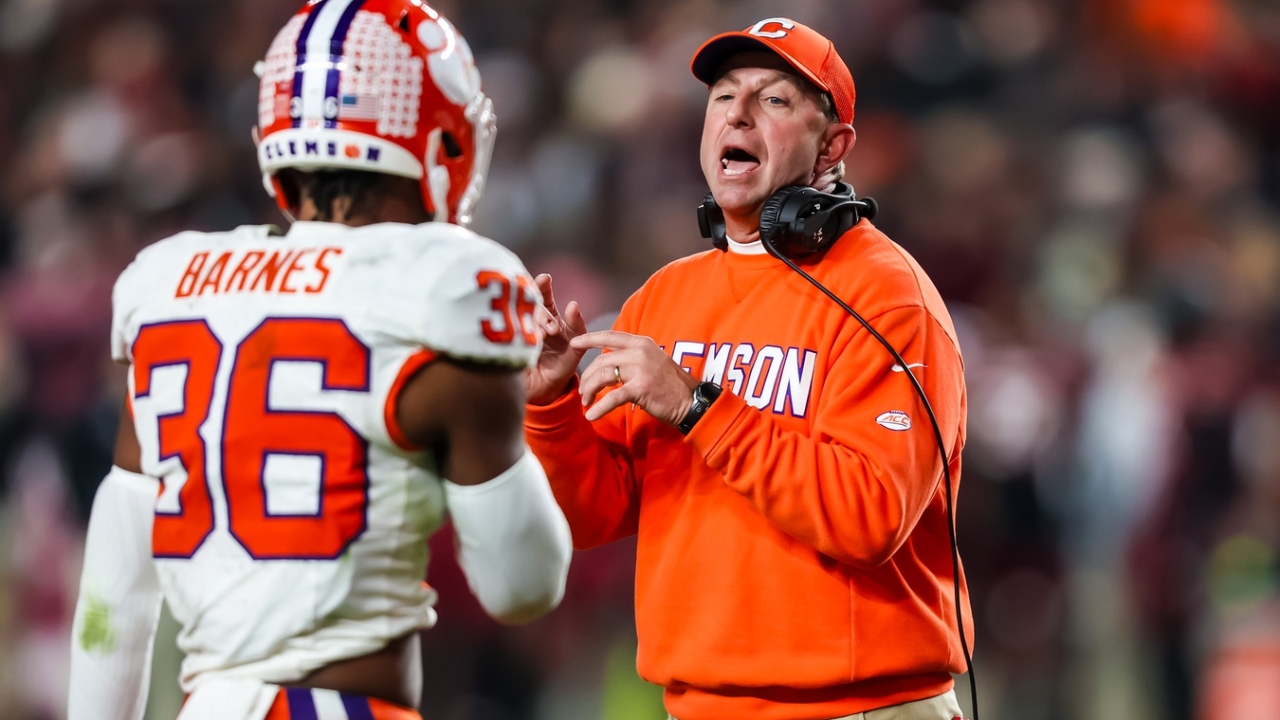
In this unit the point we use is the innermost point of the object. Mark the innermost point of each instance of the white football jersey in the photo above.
(292, 523)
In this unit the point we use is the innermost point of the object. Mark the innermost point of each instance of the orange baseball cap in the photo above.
(811, 54)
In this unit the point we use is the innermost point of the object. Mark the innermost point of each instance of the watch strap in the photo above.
(703, 395)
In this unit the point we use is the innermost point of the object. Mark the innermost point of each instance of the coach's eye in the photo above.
(775, 100)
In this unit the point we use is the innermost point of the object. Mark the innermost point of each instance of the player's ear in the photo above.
(340, 210)
(287, 184)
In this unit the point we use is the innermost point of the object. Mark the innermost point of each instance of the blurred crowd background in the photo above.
(1092, 184)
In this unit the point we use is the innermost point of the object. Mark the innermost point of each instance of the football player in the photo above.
(305, 408)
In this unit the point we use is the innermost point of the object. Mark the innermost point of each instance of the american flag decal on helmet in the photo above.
(358, 107)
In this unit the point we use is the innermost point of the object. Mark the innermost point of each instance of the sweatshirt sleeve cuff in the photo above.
(715, 429)
(557, 413)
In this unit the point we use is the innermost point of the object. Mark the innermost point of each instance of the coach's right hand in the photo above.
(549, 379)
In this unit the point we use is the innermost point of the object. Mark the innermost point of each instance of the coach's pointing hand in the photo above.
(639, 372)
(550, 377)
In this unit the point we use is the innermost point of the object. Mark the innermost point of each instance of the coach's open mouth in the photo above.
(736, 161)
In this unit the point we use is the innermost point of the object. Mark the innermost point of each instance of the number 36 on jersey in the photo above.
(285, 419)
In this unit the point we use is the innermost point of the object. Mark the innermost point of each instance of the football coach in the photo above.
(781, 471)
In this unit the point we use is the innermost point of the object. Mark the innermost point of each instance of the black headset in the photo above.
(796, 222)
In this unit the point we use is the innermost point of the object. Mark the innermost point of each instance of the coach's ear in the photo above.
(836, 143)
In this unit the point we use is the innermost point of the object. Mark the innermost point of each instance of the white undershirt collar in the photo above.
(751, 248)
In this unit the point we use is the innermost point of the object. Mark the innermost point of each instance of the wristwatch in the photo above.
(703, 395)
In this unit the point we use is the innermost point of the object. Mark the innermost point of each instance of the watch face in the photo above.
(703, 395)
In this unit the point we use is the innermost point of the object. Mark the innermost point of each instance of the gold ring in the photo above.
(617, 375)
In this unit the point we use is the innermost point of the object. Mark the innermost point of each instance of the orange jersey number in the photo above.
(193, 344)
(512, 317)
(252, 431)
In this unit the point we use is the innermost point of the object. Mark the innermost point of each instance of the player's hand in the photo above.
(649, 378)
(558, 362)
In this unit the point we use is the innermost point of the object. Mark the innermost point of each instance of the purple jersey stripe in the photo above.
(301, 705)
(357, 707)
(299, 57)
(335, 51)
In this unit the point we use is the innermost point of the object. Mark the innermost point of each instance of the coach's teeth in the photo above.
(737, 161)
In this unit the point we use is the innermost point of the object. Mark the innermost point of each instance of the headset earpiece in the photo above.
(770, 228)
(797, 221)
(711, 222)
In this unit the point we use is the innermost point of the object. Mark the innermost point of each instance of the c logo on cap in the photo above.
(759, 28)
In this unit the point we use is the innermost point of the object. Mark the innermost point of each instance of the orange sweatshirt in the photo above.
(793, 558)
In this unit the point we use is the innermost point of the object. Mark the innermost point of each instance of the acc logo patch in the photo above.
(895, 420)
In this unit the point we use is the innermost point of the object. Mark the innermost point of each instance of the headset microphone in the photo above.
(799, 221)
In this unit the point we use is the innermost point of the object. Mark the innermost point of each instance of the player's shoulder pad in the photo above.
(137, 282)
(137, 285)
(478, 300)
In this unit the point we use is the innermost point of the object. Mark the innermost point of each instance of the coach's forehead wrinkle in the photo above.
(752, 59)
(734, 76)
